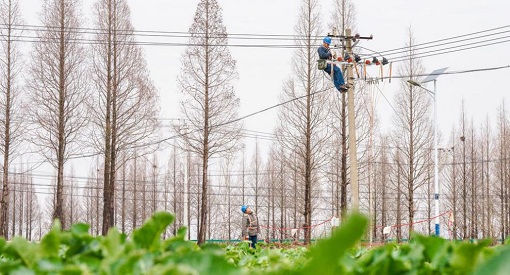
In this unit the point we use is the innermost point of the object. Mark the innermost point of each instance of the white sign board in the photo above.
(387, 230)
(335, 221)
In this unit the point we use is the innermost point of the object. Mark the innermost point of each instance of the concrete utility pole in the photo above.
(353, 159)
(349, 39)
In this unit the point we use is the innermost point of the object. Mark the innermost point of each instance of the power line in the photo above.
(86, 30)
(325, 195)
(171, 34)
(452, 72)
(263, 172)
(406, 48)
(261, 37)
(452, 49)
(297, 98)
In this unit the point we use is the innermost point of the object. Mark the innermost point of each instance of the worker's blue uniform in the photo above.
(338, 77)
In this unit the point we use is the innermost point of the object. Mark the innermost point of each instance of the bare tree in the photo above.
(210, 104)
(73, 209)
(398, 184)
(464, 169)
(474, 182)
(413, 130)
(155, 187)
(486, 179)
(124, 109)
(230, 210)
(32, 208)
(343, 17)
(283, 192)
(92, 194)
(243, 175)
(174, 188)
(16, 202)
(11, 121)
(502, 174)
(452, 197)
(302, 128)
(59, 89)
(257, 167)
(135, 211)
(277, 193)
(382, 184)
(122, 201)
(144, 190)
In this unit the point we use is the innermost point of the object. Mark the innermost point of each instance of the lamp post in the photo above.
(433, 77)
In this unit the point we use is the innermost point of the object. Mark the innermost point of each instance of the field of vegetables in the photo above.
(144, 252)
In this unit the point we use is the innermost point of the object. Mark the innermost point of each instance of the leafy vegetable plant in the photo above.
(145, 252)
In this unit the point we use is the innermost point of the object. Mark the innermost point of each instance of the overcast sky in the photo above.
(263, 70)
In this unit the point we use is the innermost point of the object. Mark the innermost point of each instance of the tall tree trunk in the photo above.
(58, 212)
(135, 193)
(14, 216)
(4, 201)
(107, 195)
(399, 195)
(123, 200)
(474, 199)
(454, 188)
(464, 191)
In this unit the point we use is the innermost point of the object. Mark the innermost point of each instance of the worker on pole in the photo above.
(325, 54)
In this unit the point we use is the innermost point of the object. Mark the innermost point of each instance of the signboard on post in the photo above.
(387, 230)
(335, 221)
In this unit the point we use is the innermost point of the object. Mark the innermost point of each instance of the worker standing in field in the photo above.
(250, 225)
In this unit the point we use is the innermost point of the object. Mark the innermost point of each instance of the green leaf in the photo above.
(112, 244)
(375, 261)
(207, 263)
(326, 255)
(79, 242)
(50, 243)
(149, 235)
(80, 229)
(436, 250)
(73, 270)
(2, 244)
(21, 271)
(499, 264)
(127, 264)
(48, 265)
(9, 266)
(466, 256)
(21, 249)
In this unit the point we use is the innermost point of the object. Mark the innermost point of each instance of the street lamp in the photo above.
(433, 77)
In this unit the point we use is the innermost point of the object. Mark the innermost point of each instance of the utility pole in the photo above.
(433, 77)
(353, 159)
(349, 39)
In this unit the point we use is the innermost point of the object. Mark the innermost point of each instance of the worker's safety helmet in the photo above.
(327, 40)
(243, 208)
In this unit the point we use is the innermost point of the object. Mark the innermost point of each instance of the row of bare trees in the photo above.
(144, 187)
(82, 98)
(98, 99)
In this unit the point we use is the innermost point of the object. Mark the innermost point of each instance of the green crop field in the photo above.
(144, 252)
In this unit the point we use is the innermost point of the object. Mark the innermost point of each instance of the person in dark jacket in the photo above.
(250, 225)
(338, 77)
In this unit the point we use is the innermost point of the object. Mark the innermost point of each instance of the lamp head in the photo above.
(414, 83)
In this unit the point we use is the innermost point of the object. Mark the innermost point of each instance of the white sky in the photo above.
(263, 70)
